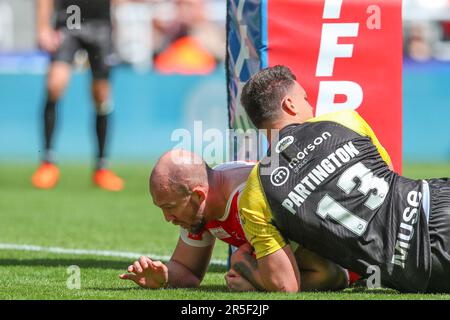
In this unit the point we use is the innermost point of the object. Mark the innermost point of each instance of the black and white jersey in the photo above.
(329, 189)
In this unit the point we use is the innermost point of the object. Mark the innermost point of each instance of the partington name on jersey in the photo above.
(317, 175)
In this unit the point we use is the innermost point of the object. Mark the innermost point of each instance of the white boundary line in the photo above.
(104, 253)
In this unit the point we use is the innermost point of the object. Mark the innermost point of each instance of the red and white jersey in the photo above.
(228, 228)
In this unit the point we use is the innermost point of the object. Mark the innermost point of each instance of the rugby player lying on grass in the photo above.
(203, 202)
(332, 191)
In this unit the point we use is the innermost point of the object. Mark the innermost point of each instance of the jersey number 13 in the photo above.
(328, 207)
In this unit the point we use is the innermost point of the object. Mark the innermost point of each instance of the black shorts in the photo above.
(439, 230)
(95, 38)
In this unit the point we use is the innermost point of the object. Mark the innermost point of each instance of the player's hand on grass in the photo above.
(147, 273)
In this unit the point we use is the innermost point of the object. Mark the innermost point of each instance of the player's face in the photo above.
(196, 208)
(185, 211)
(300, 101)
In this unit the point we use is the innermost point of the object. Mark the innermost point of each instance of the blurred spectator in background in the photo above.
(81, 24)
(418, 41)
(133, 32)
(427, 29)
(427, 39)
(189, 43)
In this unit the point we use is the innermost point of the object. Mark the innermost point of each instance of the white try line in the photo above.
(103, 253)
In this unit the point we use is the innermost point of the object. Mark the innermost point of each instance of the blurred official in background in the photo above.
(63, 28)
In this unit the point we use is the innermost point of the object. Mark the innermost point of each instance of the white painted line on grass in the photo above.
(104, 253)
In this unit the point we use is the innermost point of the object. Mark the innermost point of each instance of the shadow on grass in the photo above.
(116, 289)
(374, 291)
(84, 263)
(213, 288)
(202, 288)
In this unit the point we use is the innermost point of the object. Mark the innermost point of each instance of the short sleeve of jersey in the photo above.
(352, 120)
(256, 217)
(204, 239)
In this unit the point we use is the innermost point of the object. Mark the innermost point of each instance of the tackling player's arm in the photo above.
(279, 271)
(185, 269)
(243, 274)
(276, 262)
(277, 267)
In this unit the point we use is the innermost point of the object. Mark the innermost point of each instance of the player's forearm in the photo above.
(279, 272)
(44, 14)
(181, 277)
(274, 281)
(247, 267)
(279, 284)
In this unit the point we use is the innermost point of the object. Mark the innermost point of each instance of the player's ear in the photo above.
(199, 194)
(288, 106)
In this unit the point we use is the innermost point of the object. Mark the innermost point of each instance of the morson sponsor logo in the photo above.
(298, 161)
(279, 176)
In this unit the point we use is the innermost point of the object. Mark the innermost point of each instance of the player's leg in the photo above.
(47, 175)
(98, 43)
(58, 78)
(103, 177)
(101, 94)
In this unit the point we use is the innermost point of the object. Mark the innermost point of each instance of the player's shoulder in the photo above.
(338, 116)
(233, 165)
(348, 118)
(234, 174)
(252, 196)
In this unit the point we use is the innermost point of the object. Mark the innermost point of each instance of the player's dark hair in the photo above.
(262, 94)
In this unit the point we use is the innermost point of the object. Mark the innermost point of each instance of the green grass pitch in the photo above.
(76, 215)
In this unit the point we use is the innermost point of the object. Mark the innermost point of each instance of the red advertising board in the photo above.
(346, 54)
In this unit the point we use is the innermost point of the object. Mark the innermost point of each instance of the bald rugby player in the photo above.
(203, 202)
